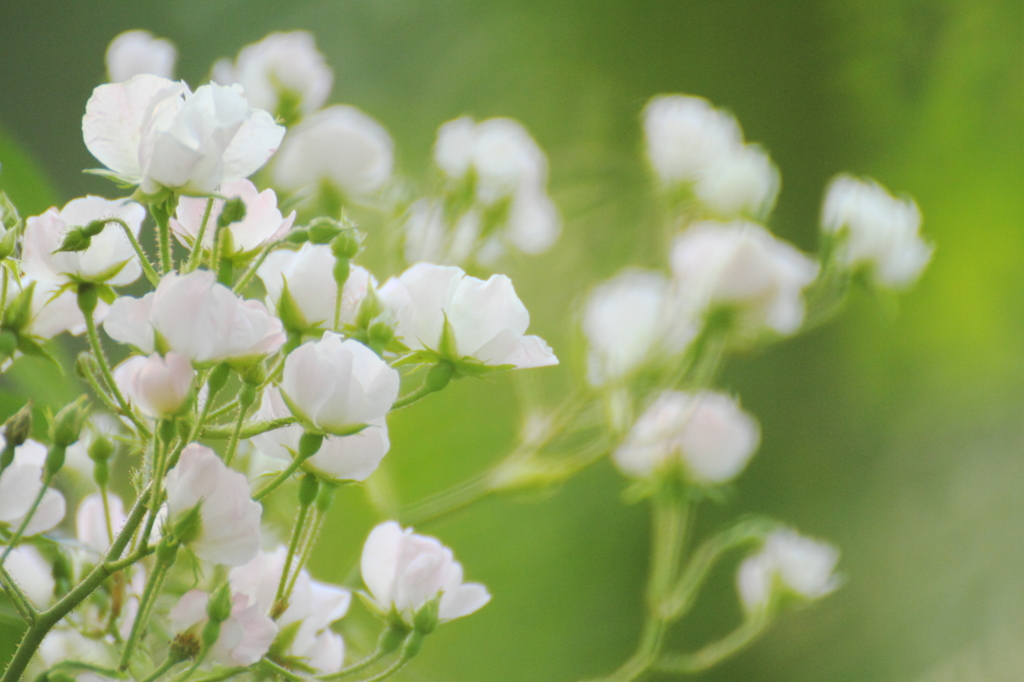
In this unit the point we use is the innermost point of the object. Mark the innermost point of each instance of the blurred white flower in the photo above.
(486, 318)
(339, 145)
(282, 72)
(743, 181)
(790, 563)
(705, 434)
(244, 637)
(313, 604)
(156, 133)
(110, 258)
(20, 484)
(159, 386)
(229, 522)
(533, 222)
(630, 320)
(685, 134)
(32, 573)
(404, 571)
(742, 267)
(335, 385)
(309, 276)
(196, 317)
(263, 222)
(135, 52)
(425, 232)
(881, 232)
(344, 458)
(91, 523)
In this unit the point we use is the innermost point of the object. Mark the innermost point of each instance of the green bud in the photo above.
(18, 428)
(325, 497)
(369, 308)
(7, 244)
(218, 609)
(168, 430)
(253, 375)
(189, 526)
(309, 444)
(184, 647)
(427, 617)
(75, 239)
(234, 210)
(211, 633)
(247, 396)
(101, 473)
(66, 427)
(439, 376)
(55, 459)
(413, 644)
(8, 213)
(19, 311)
(217, 379)
(88, 297)
(297, 236)
(346, 244)
(380, 334)
(323, 231)
(391, 639)
(94, 228)
(289, 313)
(308, 489)
(8, 344)
(167, 551)
(341, 271)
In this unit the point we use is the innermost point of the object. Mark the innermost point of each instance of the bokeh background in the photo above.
(896, 432)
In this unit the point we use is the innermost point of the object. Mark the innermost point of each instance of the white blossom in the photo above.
(685, 134)
(741, 266)
(244, 637)
(159, 386)
(425, 232)
(309, 276)
(263, 222)
(881, 232)
(55, 310)
(344, 458)
(32, 573)
(789, 562)
(156, 133)
(335, 385)
(743, 181)
(486, 318)
(705, 434)
(91, 522)
(135, 52)
(629, 321)
(281, 69)
(229, 528)
(110, 258)
(313, 604)
(339, 145)
(404, 571)
(196, 317)
(533, 222)
(20, 484)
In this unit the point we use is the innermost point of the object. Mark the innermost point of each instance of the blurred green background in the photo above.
(899, 435)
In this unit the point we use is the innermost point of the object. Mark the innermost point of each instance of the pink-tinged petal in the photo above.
(258, 633)
(128, 321)
(327, 653)
(189, 610)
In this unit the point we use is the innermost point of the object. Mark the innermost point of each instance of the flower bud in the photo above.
(325, 496)
(253, 375)
(7, 244)
(18, 427)
(218, 609)
(217, 379)
(247, 396)
(391, 639)
(55, 460)
(309, 444)
(100, 449)
(346, 244)
(211, 633)
(67, 425)
(167, 551)
(19, 310)
(439, 376)
(74, 240)
(323, 231)
(234, 211)
(308, 489)
(299, 236)
(8, 213)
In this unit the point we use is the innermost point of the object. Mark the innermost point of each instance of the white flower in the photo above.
(196, 317)
(20, 484)
(499, 151)
(308, 273)
(881, 231)
(629, 321)
(533, 222)
(340, 145)
(741, 266)
(404, 571)
(789, 562)
(742, 181)
(685, 134)
(229, 528)
(262, 223)
(706, 434)
(32, 573)
(244, 637)
(336, 385)
(135, 52)
(313, 604)
(345, 458)
(55, 310)
(486, 318)
(282, 69)
(91, 523)
(425, 232)
(157, 133)
(159, 386)
(110, 257)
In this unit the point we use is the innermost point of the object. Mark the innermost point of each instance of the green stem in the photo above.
(149, 594)
(715, 652)
(18, 598)
(108, 376)
(223, 409)
(147, 267)
(293, 545)
(249, 430)
(26, 520)
(280, 671)
(422, 392)
(163, 227)
(3, 291)
(90, 366)
(307, 549)
(448, 501)
(356, 667)
(106, 513)
(233, 443)
(194, 667)
(164, 667)
(254, 266)
(391, 669)
(197, 246)
(225, 674)
(46, 620)
(279, 479)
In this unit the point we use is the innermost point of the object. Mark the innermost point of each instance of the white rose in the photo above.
(263, 222)
(20, 484)
(135, 52)
(706, 434)
(684, 134)
(55, 311)
(91, 521)
(244, 637)
(790, 562)
(743, 181)
(157, 133)
(156, 385)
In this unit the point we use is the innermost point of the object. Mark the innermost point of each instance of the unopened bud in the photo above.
(218, 609)
(8, 213)
(217, 379)
(8, 243)
(234, 210)
(55, 459)
(308, 489)
(189, 526)
(66, 427)
(211, 633)
(18, 428)
(19, 311)
(167, 551)
(75, 239)
(439, 375)
(299, 236)
(309, 444)
(323, 231)
(413, 644)
(391, 639)
(346, 244)
(94, 228)
(254, 374)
